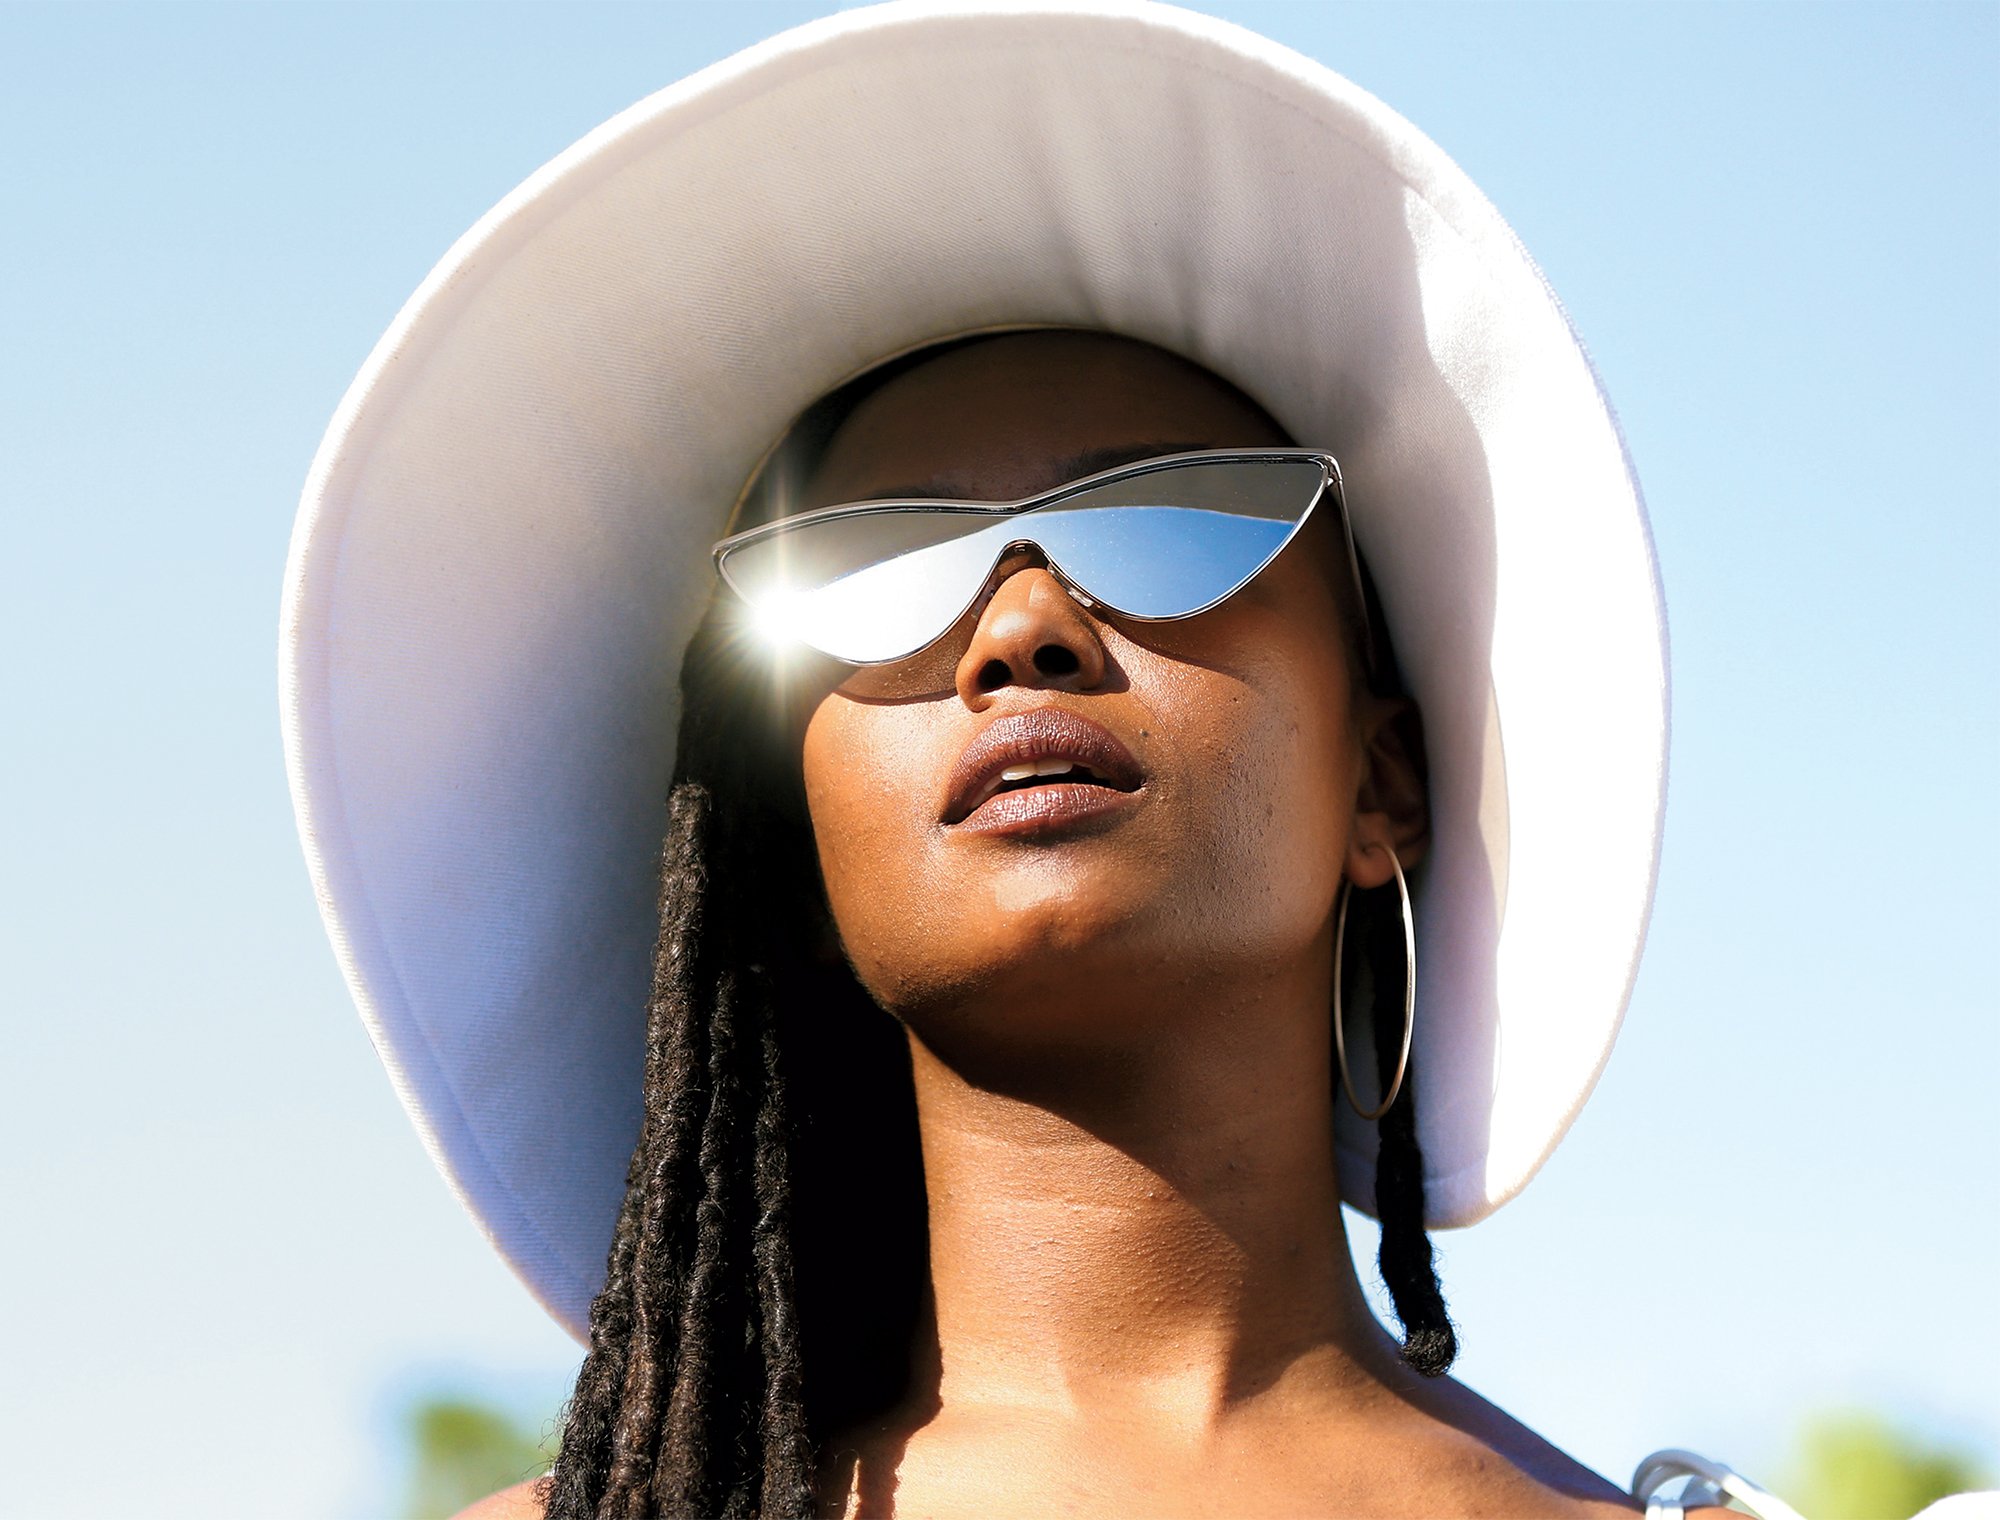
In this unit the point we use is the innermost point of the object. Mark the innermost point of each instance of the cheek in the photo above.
(861, 793)
(1266, 849)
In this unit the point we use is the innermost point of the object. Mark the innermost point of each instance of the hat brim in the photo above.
(502, 546)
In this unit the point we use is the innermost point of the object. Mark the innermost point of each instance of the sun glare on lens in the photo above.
(776, 617)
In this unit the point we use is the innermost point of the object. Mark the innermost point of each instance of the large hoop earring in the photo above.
(1409, 991)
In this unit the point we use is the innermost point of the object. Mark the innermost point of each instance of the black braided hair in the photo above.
(1374, 978)
(693, 1398)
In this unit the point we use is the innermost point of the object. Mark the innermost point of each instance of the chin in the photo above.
(1053, 973)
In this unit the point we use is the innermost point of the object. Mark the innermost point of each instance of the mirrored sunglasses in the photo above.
(873, 582)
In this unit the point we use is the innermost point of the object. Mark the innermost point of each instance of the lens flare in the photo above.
(775, 617)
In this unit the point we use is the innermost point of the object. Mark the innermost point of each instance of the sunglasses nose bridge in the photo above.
(1029, 629)
(1026, 554)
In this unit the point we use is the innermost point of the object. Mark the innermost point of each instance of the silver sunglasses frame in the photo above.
(1330, 484)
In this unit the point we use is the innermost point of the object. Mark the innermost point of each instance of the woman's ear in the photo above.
(1392, 806)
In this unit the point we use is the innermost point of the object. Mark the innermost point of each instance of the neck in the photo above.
(1153, 1233)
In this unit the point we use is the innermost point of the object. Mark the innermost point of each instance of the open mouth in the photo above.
(1050, 773)
(1044, 762)
(1035, 797)
(1044, 774)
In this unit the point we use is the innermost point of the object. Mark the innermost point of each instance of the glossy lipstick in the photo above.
(1037, 771)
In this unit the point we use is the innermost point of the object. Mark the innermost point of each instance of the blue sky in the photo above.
(1778, 230)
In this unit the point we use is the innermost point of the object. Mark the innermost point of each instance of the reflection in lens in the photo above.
(1157, 562)
(875, 586)
(887, 610)
(1169, 542)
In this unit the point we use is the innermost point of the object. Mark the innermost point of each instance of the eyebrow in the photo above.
(1061, 471)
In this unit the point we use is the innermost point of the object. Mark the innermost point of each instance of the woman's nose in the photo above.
(1031, 633)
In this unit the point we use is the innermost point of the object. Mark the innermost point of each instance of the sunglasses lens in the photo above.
(875, 586)
(1173, 541)
(869, 587)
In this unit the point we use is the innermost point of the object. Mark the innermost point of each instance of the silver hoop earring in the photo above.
(1409, 991)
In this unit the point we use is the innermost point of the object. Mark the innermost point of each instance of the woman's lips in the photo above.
(1036, 809)
(979, 799)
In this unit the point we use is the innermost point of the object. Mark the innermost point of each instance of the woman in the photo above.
(1114, 974)
(1104, 796)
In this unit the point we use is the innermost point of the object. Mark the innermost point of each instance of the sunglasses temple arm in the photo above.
(1354, 571)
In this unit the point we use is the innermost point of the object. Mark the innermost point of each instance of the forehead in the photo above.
(1010, 416)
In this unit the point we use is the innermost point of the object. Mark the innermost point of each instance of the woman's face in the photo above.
(1067, 909)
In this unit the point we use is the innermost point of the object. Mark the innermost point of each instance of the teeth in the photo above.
(1036, 768)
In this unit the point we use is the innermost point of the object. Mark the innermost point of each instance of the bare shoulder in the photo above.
(521, 1502)
(1527, 1471)
(1500, 1456)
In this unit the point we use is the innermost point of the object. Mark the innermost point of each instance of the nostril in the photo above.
(993, 675)
(1056, 660)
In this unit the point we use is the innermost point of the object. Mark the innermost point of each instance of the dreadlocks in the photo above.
(755, 1301)
(693, 1398)
(1374, 978)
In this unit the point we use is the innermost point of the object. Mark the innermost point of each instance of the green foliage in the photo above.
(1857, 1466)
(465, 1451)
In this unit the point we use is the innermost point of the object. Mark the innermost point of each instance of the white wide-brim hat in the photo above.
(503, 544)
